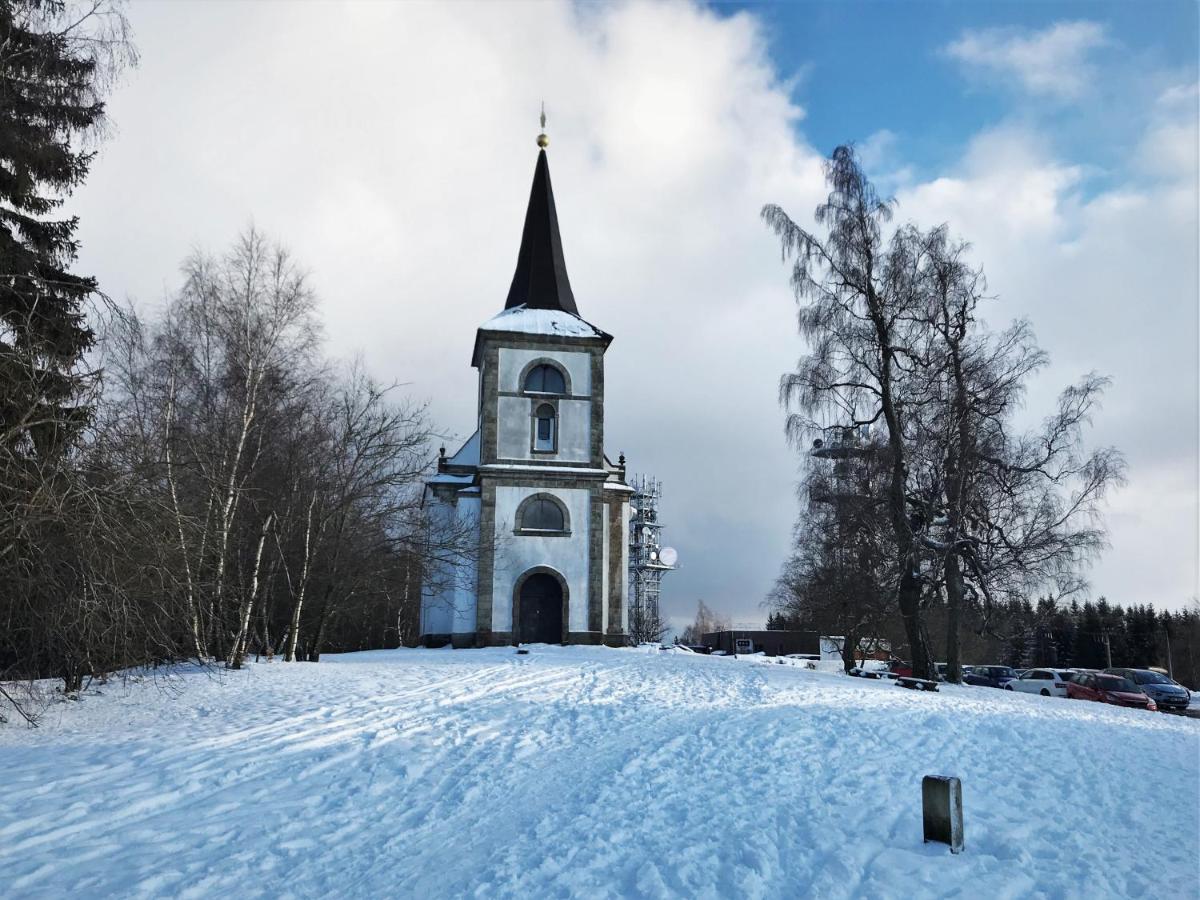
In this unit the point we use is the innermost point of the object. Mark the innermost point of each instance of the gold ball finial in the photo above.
(542, 140)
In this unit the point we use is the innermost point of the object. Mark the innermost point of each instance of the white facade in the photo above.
(577, 367)
(449, 596)
(515, 413)
(568, 556)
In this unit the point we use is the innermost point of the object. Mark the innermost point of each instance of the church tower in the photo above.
(533, 484)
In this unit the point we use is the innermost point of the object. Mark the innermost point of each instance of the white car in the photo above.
(1047, 682)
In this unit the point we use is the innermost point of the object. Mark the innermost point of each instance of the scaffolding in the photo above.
(848, 479)
(648, 560)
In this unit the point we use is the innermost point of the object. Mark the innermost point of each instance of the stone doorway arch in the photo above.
(540, 607)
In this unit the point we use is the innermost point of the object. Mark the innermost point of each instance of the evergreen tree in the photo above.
(1090, 651)
(56, 62)
(1063, 630)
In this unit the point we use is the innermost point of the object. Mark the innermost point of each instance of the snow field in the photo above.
(587, 772)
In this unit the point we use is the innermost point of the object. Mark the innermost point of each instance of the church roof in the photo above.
(540, 281)
(552, 323)
(468, 453)
(523, 320)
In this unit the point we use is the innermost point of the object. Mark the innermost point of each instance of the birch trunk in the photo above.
(294, 631)
(192, 610)
(232, 493)
(239, 642)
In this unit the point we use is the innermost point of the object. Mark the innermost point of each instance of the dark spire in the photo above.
(540, 281)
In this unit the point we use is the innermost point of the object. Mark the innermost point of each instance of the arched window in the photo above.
(545, 428)
(541, 513)
(545, 379)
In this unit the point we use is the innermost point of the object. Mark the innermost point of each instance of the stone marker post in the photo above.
(941, 802)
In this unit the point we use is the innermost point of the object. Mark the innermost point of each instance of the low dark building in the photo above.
(772, 643)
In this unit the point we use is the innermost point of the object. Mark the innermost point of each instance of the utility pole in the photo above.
(1108, 649)
(1170, 667)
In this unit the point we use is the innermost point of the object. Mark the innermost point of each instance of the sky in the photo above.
(391, 147)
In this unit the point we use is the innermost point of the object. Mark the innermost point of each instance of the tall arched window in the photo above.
(542, 513)
(545, 428)
(545, 379)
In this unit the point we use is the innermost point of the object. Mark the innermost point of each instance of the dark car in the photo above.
(989, 676)
(1165, 691)
(1106, 688)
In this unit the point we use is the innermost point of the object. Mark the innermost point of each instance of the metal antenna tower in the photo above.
(648, 560)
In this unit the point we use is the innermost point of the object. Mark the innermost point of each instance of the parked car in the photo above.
(1107, 688)
(1162, 689)
(692, 648)
(900, 668)
(989, 676)
(1047, 682)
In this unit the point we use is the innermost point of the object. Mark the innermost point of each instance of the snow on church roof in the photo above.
(552, 322)
(467, 457)
(446, 478)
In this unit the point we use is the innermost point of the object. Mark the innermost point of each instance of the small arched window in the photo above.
(542, 514)
(545, 379)
(544, 428)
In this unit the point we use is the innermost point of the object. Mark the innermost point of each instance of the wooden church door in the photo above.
(541, 610)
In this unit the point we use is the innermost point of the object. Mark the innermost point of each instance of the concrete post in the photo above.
(941, 802)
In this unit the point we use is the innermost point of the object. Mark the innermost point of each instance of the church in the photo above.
(532, 488)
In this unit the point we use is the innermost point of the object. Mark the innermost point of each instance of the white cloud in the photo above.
(1171, 145)
(1052, 62)
(1006, 190)
(879, 154)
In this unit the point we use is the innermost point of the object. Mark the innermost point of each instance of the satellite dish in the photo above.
(668, 556)
(653, 555)
(633, 509)
(646, 533)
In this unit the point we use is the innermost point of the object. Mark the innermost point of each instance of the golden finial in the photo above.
(542, 140)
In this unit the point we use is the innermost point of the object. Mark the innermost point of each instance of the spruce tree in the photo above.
(56, 61)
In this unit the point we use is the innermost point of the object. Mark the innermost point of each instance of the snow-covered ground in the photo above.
(589, 773)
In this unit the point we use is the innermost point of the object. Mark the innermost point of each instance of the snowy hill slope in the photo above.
(591, 773)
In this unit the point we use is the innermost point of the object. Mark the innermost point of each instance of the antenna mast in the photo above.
(648, 560)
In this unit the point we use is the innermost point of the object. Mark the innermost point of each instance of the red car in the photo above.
(900, 668)
(1112, 689)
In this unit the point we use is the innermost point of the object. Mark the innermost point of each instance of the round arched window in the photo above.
(545, 379)
(542, 514)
